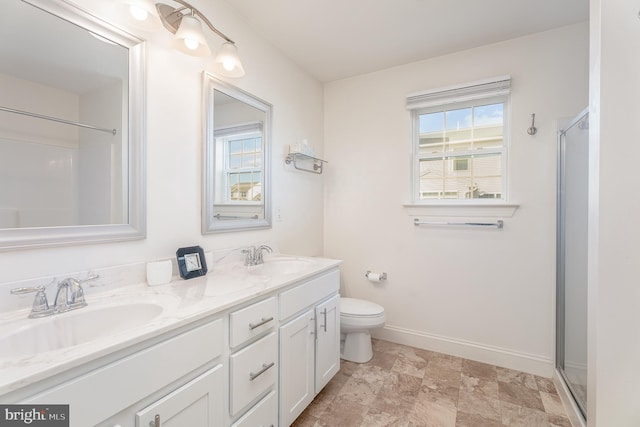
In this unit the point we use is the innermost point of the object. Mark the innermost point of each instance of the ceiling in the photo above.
(334, 39)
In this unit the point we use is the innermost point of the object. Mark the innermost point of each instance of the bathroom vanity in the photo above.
(242, 346)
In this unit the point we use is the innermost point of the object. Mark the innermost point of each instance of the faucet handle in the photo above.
(27, 290)
(94, 277)
(249, 255)
(40, 306)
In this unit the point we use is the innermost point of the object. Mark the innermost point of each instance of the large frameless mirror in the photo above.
(71, 127)
(236, 193)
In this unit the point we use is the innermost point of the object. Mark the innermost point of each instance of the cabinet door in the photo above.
(197, 403)
(296, 366)
(327, 341)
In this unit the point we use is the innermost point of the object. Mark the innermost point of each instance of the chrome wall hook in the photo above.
(533, 130)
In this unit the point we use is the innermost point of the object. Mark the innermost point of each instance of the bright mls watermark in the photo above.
(34, 415)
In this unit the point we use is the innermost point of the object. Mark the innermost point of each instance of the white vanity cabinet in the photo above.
(256, 361)
(309, 342)
(253, 363)
(107, 395)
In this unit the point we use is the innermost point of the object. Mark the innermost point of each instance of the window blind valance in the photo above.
(488, 88)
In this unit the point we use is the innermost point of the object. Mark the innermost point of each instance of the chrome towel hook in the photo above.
(533, 130)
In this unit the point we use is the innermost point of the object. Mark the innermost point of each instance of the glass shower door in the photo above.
(571, 345)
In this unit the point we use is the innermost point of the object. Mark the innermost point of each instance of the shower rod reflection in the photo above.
(498, 224)
(55, 119)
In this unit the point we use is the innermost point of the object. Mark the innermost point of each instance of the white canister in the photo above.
(159, 272)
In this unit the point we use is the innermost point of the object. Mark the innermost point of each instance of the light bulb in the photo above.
(191, 44)
(138, 13)
(228, 64)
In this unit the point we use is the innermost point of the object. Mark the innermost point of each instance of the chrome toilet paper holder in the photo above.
(381, 276)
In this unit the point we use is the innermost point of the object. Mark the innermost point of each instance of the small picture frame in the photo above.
(191, 262)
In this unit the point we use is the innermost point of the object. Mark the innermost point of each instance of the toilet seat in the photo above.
(353, 307)
(357, 314)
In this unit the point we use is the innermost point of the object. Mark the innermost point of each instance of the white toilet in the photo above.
(357, 317)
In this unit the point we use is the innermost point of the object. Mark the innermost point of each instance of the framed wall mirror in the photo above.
(236, 170)
(72, 127)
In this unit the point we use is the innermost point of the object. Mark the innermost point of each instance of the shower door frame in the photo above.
(560, 259)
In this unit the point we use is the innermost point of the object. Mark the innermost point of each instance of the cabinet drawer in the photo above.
(264, 413)
(251, 321)
(197, 403)
(254, 370)
(143, 373)
(302, 296)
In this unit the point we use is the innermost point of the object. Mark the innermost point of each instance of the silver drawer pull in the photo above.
(155, 422)
(265, 367)
(257, 325)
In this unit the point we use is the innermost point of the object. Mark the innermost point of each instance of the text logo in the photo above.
(34, 415)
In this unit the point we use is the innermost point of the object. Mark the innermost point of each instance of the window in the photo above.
(460, 141)
(243, 168)
(240, 149)
(461, 164)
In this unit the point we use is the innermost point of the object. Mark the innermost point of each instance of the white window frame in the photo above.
(483, 92)
(228, 170)
(222, 137)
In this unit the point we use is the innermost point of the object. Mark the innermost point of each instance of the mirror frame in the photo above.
(24, 238)
(210, 84)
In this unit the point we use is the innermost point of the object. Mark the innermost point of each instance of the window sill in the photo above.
(503, 210)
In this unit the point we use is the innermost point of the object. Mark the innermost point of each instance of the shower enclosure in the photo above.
(571, 278)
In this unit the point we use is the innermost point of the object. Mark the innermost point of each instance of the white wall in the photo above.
(614, 229)
(485, 294)
(174, 154)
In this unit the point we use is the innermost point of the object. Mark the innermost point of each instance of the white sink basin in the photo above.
(59, 331)
(281, 266)
(236, 277)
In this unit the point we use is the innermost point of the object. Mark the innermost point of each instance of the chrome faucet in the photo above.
(254, 254)
(70, 296)
(259, 252)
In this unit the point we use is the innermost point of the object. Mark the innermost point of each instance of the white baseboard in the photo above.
(532, 364)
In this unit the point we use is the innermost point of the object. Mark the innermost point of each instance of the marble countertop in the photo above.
(182, 302)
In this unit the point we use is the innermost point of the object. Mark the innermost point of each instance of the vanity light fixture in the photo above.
(185, 23)
(141, 14)
(189, 37)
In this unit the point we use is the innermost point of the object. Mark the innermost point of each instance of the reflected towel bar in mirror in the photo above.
(498, 224)
(218, 216)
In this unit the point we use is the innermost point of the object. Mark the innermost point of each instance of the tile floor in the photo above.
(406, 386)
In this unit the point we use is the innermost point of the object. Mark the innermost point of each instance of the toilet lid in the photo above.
(359, 307)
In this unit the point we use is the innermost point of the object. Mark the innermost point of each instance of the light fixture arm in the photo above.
(172, 25)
